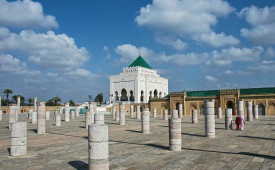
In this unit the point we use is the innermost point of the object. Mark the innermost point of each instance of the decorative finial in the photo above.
(138, 52)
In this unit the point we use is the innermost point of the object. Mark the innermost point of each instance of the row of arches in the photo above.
(126, 97)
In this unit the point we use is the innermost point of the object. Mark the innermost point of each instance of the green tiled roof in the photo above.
(258, 90)
(203, 93)
(140, 62)
(264, 90)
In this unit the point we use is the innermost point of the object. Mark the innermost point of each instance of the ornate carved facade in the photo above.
(190, 100)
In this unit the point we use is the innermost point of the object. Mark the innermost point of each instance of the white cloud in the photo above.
(217, 40)
(107, 52)
(81, 73)
(228, 72)
(177, 44)
(47, 50)
(10, 64)
(211, 79)
(262, 21)
(229, 55)
(188, 18)
(129, 52)
(25, 14)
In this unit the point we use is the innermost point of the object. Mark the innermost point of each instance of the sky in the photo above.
(69, 48)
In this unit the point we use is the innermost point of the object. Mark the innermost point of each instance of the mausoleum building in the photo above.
(137, 83)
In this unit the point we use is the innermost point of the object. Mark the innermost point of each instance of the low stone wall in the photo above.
(25, 109)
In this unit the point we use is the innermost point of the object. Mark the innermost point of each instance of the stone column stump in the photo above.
(122, 114)
(58, 120)
(67, 112)
(255, 111)
(240, 107)
(165, 114)
(99, 119)
(249, 111)
(34, 117)
(88, 118)
(175, 132)
(41, 118)
(154, 112)
(228, 119)
(98, 147)
(18, 139)
(30, 113)
(114, 113)
(194, 116)
(209, 118)
(145, 121)
(219, 113)
(47, 115)
(117, 116)
(72, 114)
(13, 113)
(138, 112)
(132, 111)
(180, 111)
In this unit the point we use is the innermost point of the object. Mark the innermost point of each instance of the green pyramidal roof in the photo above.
(140, 62)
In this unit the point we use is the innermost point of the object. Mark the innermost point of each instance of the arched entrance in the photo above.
(155, 93)
(141, 95)
(230, 104)
(177, 106)
(123, 95)
(132, 98)
(202, 109)
(193, 107)
(261, 109)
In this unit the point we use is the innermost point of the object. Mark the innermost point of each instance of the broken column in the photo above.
(175, 132)
(72, 114)
(114, 112)
(57, 119)
(13, 113)
(154, 112)
(219, 114)
(34, 117)
(99, 119)
(117, 116)
(18, 105)
(165, 114)
(180, 111)
(77, 110)
(256, 111)
(18, 138)
(194, 116)
(30, 113)
(35, 104)
(138, 112)
(209, 118)
(47, 115)
(249, 111)
(132, 111)
(175, 114)
(67, 112)
(228, 118)
(145, 121)
(240, 107)
(122, 114)
(89, 118)
(98, 147)
(41, 115)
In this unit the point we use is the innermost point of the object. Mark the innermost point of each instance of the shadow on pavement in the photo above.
(79, 165)
(255, 137)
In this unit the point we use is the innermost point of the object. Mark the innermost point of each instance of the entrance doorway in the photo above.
(261, 109)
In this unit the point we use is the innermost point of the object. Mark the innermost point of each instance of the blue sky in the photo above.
(70, 48)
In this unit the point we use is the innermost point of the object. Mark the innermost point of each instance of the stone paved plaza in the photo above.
(66, 147)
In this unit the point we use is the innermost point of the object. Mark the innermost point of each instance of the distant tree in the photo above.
(8, 92)
(49, 103)
(71, 102)
(30, 101)
(99, 98)
(56, 100)
(22, 99)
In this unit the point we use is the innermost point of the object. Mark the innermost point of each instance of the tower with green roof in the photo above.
(137, 83)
